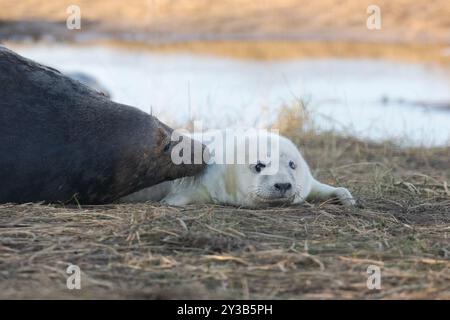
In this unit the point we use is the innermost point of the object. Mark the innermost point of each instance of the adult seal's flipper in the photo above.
(62, 141)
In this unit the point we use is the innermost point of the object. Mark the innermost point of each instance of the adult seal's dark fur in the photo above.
(61, 141)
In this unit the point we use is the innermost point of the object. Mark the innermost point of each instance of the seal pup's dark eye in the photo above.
(259, 166)
(292, 165)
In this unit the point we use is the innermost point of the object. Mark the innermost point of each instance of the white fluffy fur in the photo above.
(242, 185)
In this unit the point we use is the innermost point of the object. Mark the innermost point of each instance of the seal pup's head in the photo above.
(281, 177)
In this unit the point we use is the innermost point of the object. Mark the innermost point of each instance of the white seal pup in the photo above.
(248, 183)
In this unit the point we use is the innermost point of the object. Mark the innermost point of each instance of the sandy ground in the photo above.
(411, 30)
(182, 20)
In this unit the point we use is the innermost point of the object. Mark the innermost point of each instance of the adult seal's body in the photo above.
(280, 178)
(61, 141)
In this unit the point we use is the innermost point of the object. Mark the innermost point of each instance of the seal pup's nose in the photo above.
(282, 187)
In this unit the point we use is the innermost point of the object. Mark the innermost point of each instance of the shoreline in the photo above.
(268, 50)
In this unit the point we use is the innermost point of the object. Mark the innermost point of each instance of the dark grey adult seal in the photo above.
(62, 141)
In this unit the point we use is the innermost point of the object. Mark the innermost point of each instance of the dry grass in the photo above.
(313, 251)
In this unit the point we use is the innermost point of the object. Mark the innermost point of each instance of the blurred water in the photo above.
(344, 94)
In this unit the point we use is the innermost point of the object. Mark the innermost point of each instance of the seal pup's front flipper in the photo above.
(322, 192)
